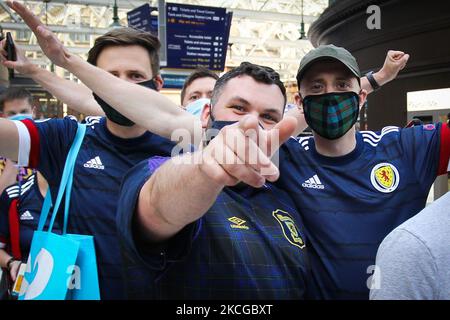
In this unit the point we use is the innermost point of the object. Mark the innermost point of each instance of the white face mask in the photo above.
(195, 107)
(21, 116)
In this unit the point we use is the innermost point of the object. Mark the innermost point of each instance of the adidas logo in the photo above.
(94, 163)
(26, 216)
(313, 183)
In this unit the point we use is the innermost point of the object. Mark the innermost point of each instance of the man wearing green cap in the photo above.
(352, 188)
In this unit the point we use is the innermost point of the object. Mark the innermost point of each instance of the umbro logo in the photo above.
(26, 216)
(94, 163)
(238, 223)
(313, 183)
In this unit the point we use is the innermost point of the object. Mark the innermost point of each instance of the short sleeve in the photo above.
(154, 256)
(44, 145)
(55, 139)
(428, 149)
(405, 269)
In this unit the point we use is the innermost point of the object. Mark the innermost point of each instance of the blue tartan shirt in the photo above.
(249, 245)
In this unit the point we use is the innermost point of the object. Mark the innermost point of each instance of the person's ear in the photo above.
(362, 97)
(33, 112)
(298, 99)
(205, 115)
(159, 82)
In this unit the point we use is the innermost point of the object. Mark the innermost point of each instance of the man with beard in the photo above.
(205, 223)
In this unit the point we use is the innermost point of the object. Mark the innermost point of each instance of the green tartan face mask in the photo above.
(331, 115)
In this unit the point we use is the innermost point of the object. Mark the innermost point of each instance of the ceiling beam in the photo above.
(58, 29)
(237, 13)
(101, 31)
(35, 47)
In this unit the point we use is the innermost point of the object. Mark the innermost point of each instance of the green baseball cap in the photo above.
(325, 52)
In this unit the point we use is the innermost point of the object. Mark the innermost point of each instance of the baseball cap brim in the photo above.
(328, 52)
(306, 67)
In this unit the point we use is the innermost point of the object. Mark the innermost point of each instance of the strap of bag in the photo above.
(45, 209)
(67, 200)
(14, 235)
(67, 173)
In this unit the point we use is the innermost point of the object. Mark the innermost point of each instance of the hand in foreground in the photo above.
(22, 65)
(395, 61)
(242, 152)
(49, 43)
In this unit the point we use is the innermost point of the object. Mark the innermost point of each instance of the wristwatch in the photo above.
(372, 81)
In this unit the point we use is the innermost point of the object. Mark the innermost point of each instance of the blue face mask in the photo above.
(196, 107)
(21, 116)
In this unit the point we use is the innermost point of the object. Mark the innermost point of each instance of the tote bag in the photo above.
(61, 266)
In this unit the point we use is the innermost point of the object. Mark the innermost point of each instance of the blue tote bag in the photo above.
(83, 284)
(62, 266)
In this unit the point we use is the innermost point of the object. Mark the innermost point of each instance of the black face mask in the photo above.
(215, 126)
(114, 115)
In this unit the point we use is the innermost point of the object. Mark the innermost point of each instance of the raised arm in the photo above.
(150, 109)
(76, 96)
(184, 188)
(394, 62)
(9, 139)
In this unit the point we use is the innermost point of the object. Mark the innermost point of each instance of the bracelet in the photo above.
(10, 261)
(372, 81)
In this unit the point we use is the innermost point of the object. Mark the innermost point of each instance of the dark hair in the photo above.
(258, 73)
(197, 74)
(15, 93)
(127, 37)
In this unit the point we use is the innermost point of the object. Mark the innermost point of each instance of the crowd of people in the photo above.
(238, 206)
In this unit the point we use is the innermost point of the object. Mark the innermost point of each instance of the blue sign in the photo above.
(228, 20)
(141, 18)
(173, 81)
(197, 36)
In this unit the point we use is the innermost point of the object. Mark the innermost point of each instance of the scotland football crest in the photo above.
(385, 177)
(290, 230)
